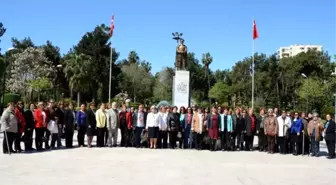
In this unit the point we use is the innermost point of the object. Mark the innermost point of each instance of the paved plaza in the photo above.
(121, 166)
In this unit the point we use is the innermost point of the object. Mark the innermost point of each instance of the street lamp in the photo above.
(334, 74)
(307, 93)
(4, 79)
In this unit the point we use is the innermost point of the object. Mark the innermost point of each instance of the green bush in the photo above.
(11, 98)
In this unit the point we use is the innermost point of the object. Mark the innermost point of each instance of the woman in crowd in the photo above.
(101, 119)
(19, 112)
(52, 126)
(187, 128)
(81, 125)
(329, 135)
(153, 123)
(182, 126)
(125, 119)
(296, 134)
(91, 124)
(40, 117)
(69, 121)
(315, 129)
(29, 128)
(173, 127)
(213, 128)
(9, 124)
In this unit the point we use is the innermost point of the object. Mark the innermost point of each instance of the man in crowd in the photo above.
(284, 124)
(271, 127)
(60, 123)
(139, 121)
(173, 127)
(29, 129)
(163, 133)
(262, 139)
(239, 122)
(113, 125)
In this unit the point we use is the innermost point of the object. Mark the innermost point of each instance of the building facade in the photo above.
(285, 52)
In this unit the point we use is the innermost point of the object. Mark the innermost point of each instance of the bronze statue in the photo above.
(181, 56)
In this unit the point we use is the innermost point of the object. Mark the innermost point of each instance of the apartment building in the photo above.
(293, 50)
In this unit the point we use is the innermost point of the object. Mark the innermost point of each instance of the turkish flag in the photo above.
(112, 26)
(255, 31)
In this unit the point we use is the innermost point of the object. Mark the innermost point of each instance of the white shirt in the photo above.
(284, 125)
(140, 119)
(44, 117)
(164, 120)
(153, 120)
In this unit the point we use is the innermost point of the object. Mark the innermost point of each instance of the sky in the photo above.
(221, 27)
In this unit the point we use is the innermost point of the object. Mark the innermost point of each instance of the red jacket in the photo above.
(39, 119)
(128, 119)
(21, 120)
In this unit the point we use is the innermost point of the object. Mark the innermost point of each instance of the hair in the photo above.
(92, 104)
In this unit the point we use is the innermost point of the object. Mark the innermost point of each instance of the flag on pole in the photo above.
(255, 31)
(112, 26)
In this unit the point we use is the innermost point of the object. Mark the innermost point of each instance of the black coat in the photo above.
(69, 120)
(240, 123)
(91, 119)
(29, 118)
(330, 131)
(173, 121)
(260, 123)
(60, 114)
(248, 125)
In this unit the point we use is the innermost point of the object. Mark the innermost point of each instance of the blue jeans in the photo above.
(315, 146)
(187, 138)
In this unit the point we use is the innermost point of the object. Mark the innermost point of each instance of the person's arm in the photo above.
(129, 120)
(78, 120)
(97, 119)
(300, 126)
(147, 121)
(276, 126)
(4, 120)
(193, 123)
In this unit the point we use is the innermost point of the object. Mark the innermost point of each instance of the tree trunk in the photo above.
(71, 93)
(78, 99)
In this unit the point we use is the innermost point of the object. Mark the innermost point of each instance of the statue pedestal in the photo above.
(181, 89)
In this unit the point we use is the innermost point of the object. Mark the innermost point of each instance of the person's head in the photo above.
(168, 109)
(162, 109)
(214, 109)
(226, 111)
(60, 105)
(270, 112)
(315, 116)
(199, 110)
(123, 108)
(296, 115)
(237, 111)
(283, 114)
(262, 111)
(310, 115)
(71, 107)
(102, 106)
(219, 110)
(108, 106)
(132, 109)
(189, 110)
(328, 117)
(10, 106)
(82, 107)
(51, 103)
(20, 104)
(303, 115)
(32, 107)
(182, 110)
(276, 110)
(174, 109)
(92, 106)
(182, 41)
(153, 109)
(114, 105)
(141, 108)
(40, 106)
(289, 114)
(250, 111)
(194, 108)
(206, 110)
(144, 109)
(243, 112)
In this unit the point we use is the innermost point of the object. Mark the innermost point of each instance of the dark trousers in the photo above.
(233, 140)
(240, 141)
(123, 131)
(162, 141)
(81, 135)
(331, 147)
(10, 136)
(213, 143)
(138, 131)
(306, 144)
(128, 137)
(39, 135)
(282, 145)
(198, 140)
(101, 137)
(172, 139)
(225, 140)
(46, 138)
(262, 140)
(28, 139)
(315, 146)
(18, 142)
(59, 137)
(249, 142)
(186, 135)
(181, 140)
(69, 138)
(54, 138)
(296, 143)
(106, 137)
(271, 143)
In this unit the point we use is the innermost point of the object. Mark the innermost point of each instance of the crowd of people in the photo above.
(193, 127)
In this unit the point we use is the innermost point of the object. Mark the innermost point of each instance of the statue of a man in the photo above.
(181, 56)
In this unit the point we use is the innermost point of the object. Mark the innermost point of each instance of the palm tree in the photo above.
(77, 71)
(207, 60)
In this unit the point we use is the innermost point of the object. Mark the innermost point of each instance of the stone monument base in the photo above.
(181, 88)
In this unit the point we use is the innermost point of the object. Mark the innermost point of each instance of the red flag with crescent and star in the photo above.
(112, 26)
(255, 31)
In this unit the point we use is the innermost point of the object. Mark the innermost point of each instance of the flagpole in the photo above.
(110, 79)
(253, 69)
